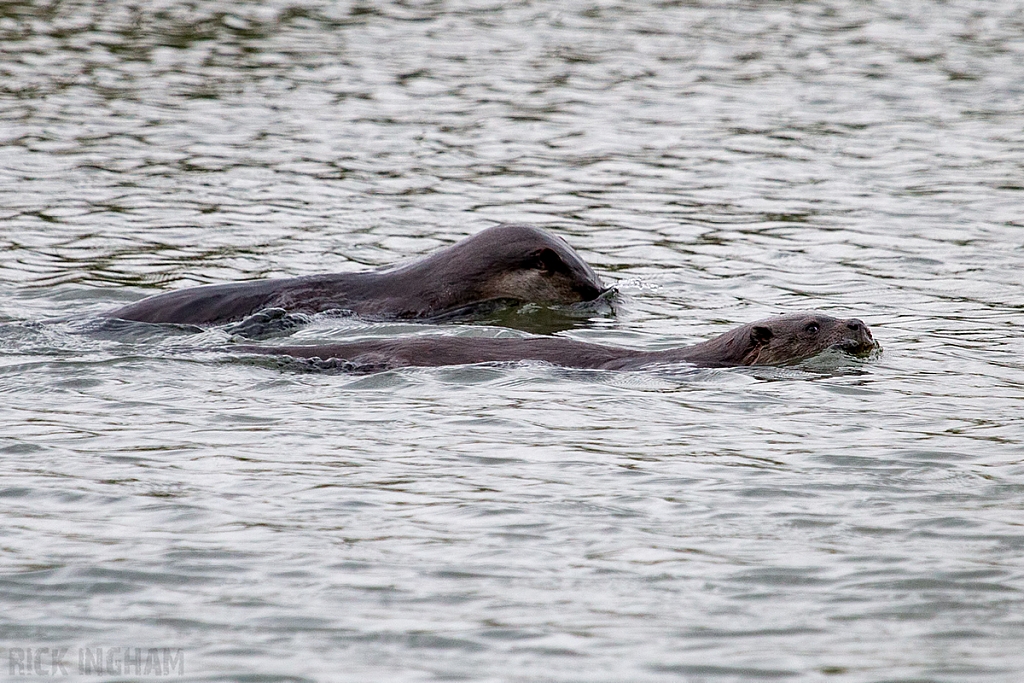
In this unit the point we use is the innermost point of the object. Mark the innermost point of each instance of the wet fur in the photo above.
(511, 263)
(779, 340)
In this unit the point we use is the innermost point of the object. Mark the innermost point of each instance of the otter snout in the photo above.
(862, 341)
(589, 292)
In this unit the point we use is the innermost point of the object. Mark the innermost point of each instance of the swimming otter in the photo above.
(511, 263)
(779, 340)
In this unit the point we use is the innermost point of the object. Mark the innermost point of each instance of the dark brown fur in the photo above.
(514, 263)
(779, 340)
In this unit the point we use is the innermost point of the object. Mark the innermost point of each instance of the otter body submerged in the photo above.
(513, 263)
(779, 340)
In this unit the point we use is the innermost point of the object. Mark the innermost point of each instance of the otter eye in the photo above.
(545, 260)
(812, 328)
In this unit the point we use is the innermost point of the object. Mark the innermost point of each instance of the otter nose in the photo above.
(861, 330)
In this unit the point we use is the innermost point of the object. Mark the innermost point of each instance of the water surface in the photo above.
(720, 161)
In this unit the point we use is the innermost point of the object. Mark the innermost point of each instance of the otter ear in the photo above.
(546, 260)
(760, 335)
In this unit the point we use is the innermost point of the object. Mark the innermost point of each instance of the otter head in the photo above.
(788, 339)
(526, 264)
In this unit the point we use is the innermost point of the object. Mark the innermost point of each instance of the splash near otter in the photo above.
(506, 263)
(780, 340)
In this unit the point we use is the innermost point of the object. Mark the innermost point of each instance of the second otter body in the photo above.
(779, 340)
(514, 263)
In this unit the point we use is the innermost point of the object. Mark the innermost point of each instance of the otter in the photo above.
(779, 340)
(503, 264)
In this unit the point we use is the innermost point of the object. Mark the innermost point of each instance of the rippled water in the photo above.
(720, 161)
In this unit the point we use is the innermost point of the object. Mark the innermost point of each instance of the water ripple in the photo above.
(717, 161)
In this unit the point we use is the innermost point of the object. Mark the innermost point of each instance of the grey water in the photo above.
(843, 520)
